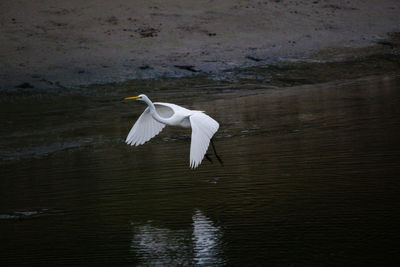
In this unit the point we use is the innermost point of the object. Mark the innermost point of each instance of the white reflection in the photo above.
(165, 247)
(206, 239)
(160, 246)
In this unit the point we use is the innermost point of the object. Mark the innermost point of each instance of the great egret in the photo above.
(157, 115)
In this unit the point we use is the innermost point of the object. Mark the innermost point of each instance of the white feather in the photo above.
(144, 129)
(157, 115)
(203, 129)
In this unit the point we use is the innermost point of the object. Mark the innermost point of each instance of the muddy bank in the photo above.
(62, 44)
(380, 60)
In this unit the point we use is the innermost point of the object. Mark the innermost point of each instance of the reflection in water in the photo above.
(311, 178)
(160, 246)
(206, 239)
(165, 247)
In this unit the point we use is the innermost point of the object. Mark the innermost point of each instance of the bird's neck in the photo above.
(154, 112)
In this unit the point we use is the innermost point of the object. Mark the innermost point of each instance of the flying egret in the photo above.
(157, 115)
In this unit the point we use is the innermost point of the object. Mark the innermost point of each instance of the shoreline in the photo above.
(70, 44)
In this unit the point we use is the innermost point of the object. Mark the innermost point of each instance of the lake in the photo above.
(310, 177)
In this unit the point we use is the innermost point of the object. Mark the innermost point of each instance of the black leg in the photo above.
(215, 152)
(208, 157)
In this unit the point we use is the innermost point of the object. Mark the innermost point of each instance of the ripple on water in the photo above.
(21, 215)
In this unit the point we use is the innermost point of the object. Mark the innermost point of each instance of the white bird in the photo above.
(157, 115)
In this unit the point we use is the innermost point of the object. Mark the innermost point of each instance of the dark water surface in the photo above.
(311, 178)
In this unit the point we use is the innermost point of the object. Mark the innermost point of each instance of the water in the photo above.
(311, 178)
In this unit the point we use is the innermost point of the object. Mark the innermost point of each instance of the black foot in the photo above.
(220, 160)
(208, 157)
(215, 152)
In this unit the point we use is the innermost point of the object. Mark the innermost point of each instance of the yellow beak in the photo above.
(132, 97)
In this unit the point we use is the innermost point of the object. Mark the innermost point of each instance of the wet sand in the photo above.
(71, 43)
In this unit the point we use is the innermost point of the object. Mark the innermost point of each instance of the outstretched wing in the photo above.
(203, 129)
(144, 129)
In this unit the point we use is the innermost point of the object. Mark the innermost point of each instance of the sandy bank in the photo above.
(72, 43)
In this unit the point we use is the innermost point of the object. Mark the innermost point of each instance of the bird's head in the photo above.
(141, 97)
